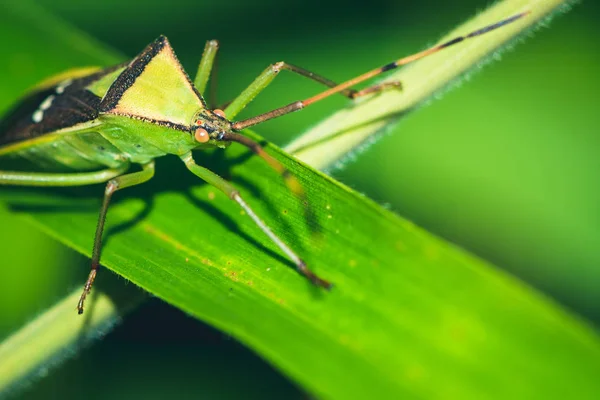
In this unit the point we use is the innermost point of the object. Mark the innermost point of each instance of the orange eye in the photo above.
(201, 135)
(220, 113)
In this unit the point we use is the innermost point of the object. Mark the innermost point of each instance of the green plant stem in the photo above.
(58, 332)
(355, 127)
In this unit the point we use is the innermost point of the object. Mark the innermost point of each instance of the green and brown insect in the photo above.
(98, 122)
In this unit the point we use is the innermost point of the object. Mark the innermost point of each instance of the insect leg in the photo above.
(206, 64)
(226, 187)
(266, 77)
(290, 180)
(56, 179)
(112, 186)
(341, 88)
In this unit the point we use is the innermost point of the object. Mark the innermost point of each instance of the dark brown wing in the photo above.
(50, 109)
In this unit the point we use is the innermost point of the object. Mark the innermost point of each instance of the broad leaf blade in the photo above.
(409, 315)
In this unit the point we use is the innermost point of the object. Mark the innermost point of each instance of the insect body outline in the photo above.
(98, 122)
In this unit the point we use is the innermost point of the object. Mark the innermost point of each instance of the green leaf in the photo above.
(410, 315)
(354, 128)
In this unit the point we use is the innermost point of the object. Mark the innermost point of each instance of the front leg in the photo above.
(267, 76)
(226, 187)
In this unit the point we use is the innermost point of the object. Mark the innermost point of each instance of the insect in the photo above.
(97, 123)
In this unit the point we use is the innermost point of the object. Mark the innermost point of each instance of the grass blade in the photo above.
(410, 315)
(44, 343)
(352, 129)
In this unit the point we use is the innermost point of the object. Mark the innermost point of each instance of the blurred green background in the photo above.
(506, 166)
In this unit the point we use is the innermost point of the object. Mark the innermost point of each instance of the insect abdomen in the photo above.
(53, 127)
(70, 152)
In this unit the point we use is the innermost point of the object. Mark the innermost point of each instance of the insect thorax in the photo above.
(133, 112)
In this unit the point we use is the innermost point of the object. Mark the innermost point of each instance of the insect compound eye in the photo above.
(201, 135)
(220, 113)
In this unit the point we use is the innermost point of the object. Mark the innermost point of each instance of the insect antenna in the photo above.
(346, 87)
(290, 180)
(411, 58)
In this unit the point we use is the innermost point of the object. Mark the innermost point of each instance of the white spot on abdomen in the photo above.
(37, 116)
(47, 103)
(61, 88)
